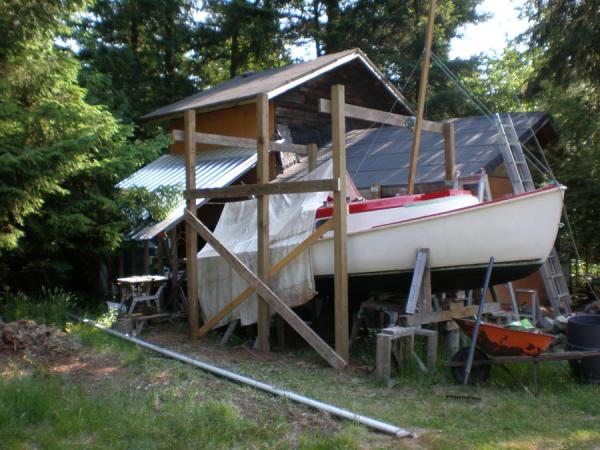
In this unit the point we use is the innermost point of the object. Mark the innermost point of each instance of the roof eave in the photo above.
(291, 84)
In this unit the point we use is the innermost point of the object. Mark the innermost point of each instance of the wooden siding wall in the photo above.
(238, 121)
(299, 107)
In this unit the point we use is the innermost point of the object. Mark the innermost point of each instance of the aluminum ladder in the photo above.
(522, 181)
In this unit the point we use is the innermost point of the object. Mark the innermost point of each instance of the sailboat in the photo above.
(460, 232)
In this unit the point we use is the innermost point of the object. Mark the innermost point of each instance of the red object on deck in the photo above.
(390, 202)
(497, 340)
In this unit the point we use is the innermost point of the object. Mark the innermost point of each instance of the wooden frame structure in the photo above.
(446, 129)
(262, 189)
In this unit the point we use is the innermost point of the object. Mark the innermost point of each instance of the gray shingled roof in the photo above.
(382, 155)
(273, 82)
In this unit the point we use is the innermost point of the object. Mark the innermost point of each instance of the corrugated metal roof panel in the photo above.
(214, 168)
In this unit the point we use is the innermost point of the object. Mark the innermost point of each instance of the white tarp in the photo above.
(291, 222)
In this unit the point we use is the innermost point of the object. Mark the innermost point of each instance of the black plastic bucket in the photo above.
(583, 334)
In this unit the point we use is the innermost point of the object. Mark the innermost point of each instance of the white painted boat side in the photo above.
(518, 228)
(366, 220)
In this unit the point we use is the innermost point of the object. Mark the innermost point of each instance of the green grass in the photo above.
(152, 402)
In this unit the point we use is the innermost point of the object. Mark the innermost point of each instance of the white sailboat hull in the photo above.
(519, 231)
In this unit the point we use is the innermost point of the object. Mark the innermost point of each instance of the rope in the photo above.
(368, 152)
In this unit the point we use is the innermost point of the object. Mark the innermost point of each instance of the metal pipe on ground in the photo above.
(331, 409)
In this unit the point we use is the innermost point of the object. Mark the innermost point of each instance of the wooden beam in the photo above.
(275, 269)
(335, 360)
(146, 257)
(312, 157)
(446, 315)
(377, 116)
(232, 141)
(449, 152)
(340, 212)
(412, 173)
(191, 238)
(262, 255)
(247, 190)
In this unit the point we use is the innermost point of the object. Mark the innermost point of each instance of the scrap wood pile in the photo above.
(26, 336)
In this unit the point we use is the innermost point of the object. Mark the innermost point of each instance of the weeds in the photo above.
(50, 306)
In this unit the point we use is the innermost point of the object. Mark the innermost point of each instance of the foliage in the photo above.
(566, 83)
(50, 306)
(135, 54)
(60, 158)
(392, 34)
(501, 82)
(143, 206)
(243, 36)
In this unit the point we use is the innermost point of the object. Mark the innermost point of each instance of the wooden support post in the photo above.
(275, 269)
(146, 257)
(383, 354)
(262, 175)
(159, 254)
(191, 238)
(449, 152)
(421, 106)
(340, 211)
(420, 287)
(265, 292)
(121, 264)
(312, 157)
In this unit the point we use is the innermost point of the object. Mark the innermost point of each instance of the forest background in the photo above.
(76, 75)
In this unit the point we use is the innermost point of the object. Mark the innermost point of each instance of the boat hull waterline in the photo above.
(519, 231)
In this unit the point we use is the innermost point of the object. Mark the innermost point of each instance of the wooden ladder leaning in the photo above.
(522, 181)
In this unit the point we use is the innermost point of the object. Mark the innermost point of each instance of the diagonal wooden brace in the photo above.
(335, 360)
(275, 269)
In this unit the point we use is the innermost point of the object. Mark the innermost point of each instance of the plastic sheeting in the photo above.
(291, 222)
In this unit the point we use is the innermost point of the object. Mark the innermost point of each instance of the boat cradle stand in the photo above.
(406, 337)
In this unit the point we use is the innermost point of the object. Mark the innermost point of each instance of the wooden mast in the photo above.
(421, 105)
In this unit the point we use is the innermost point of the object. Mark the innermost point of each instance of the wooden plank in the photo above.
(443, 316)
(312, 157)
(432, 342)
(340, 212)
(377, 116)
(545, 357)
(412, 173)
(191, 239)
(247, 190)
(262, 255)
(383, 357)
(426, 304)
(417, 279)
(275, 269)
(146, 257)
(449, 152)
(313, 339)
(232, 141)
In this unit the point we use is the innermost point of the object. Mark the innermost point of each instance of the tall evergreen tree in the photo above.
(242, 36)
(565, 37)
(60, 158)
(392, 33)
(134, 54)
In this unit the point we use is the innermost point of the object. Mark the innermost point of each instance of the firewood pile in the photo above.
(41, 340)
